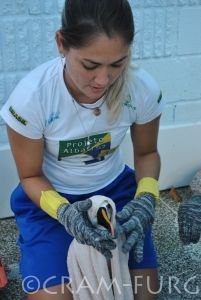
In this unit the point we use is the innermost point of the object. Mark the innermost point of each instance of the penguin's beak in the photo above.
(104, 219)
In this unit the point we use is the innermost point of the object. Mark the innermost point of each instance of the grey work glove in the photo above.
(75, 219)
(135, 218)
(189, 219)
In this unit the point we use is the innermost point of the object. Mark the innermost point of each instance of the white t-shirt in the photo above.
(41, 106)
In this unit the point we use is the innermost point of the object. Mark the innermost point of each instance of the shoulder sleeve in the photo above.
(23, 111)
(148, 97)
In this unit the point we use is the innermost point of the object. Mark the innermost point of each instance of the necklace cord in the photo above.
(88, 142)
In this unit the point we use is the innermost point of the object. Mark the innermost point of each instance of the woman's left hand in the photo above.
(134, 219)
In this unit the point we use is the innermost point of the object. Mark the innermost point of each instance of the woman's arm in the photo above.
(138, 214)
(28, 156)
(146, 156)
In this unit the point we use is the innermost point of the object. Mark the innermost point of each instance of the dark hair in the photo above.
(83, 20)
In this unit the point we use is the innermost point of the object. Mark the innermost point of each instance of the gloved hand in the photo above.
(189, 219)
(75, 219)
(136, 216)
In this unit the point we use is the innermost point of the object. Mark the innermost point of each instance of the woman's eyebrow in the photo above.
(97, 63)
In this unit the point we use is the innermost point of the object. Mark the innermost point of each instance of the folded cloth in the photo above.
(92, 277)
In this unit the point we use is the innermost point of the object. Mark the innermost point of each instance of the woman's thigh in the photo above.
(44, 244)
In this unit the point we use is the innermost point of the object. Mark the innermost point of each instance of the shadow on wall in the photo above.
(8, 179)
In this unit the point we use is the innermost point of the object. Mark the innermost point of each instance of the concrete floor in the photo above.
(180, 267)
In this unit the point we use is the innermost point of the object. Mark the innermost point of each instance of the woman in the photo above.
(66, 121)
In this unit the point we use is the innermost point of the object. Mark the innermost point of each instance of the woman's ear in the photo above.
(59, 41)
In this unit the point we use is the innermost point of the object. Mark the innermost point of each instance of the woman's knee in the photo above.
(59, 292)
(145, 283)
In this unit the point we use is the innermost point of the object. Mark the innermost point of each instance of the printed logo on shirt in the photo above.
(53, 116)
(159, 98)
(17, 117)
(100, 146)
(128, 103)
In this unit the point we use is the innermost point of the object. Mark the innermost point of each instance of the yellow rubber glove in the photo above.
(50, 201)
(148, 185)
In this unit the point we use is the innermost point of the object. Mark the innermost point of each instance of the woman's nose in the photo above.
(102, 77)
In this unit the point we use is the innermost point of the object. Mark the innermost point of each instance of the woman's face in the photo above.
(92, 69)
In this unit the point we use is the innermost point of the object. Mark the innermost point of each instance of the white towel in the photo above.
(88, 268)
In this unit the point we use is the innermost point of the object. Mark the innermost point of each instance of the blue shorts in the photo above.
(44, 242)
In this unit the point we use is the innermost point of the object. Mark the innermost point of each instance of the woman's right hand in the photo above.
(75, 219)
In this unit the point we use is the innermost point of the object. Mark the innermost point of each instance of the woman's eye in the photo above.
(117, 66)
(93, 67)
(89, 67)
